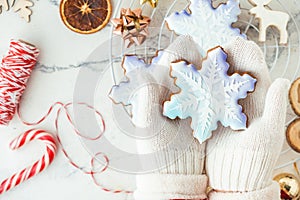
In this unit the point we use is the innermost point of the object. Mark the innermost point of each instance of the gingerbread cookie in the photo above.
(293, 135)
(138, 74)
(294, 96)
(209, 95)
(209, 26)
(293, 130)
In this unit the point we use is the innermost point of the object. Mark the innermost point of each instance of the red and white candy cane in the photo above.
(65, 108)
(15, 71)
(39, 165)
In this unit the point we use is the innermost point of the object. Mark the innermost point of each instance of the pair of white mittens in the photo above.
(238, 164)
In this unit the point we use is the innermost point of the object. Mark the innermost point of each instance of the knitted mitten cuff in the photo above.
(271, 192)
(170, 186)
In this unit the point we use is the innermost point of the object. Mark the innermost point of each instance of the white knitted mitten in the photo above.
(180, 161)
(239, 164)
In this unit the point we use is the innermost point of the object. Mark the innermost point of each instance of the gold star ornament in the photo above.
(153, 3)
(132, 26)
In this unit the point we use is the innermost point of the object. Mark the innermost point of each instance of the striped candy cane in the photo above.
(64, 108)
(39, 165)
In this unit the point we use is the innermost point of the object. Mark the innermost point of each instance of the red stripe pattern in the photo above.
(39, 165)
(64, 108)
(15, 71)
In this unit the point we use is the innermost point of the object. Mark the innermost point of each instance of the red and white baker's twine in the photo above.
(39, 165)
(15, 71)
(64, 108)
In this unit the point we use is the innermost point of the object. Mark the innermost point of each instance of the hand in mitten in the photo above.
(178, 157)
(239, 164)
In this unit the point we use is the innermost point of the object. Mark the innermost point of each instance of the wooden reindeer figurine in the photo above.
(270, 18)
(20, 6)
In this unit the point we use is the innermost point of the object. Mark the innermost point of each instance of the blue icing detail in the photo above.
(208, 26)
(209, 95)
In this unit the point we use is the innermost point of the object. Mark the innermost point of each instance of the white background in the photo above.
(59, 47)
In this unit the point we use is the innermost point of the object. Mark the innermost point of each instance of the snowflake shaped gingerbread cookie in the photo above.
(139, 74)
(134, 70)
(209, 95)
(209, 26)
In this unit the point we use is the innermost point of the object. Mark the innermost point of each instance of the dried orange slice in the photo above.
(85, 16)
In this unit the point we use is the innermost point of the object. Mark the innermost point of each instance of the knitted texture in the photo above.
(177, 152)
(166, 186)
(241, 161)
(180, 152)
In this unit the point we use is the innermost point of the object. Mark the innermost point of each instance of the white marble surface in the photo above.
(63, 52)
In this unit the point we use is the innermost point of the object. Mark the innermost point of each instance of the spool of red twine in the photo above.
(15, 71)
